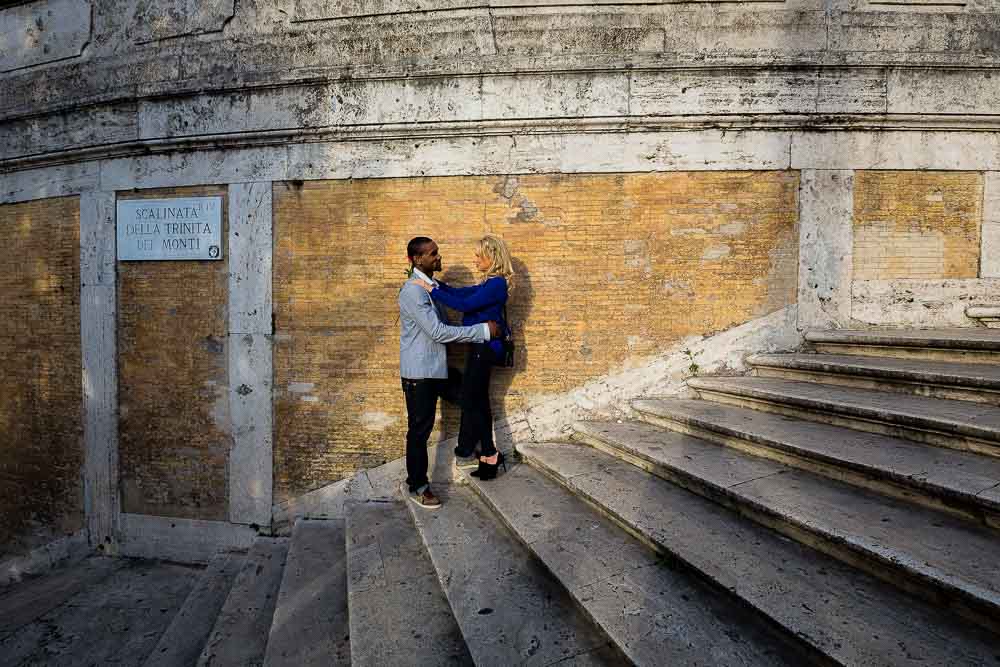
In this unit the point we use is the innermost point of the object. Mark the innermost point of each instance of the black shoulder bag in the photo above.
(508, 342)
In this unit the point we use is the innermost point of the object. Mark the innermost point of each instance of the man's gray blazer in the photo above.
(423, 334)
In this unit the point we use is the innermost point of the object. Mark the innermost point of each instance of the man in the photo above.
(423, 363)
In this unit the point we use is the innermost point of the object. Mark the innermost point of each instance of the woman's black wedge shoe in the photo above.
(489, 470)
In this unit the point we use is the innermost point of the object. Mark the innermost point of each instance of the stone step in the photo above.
(188, 633)
(946, 560)
(239, 636)
(511, 610)
(956, 424)
(964, 483)
(310, 625)
(845, 614)
(978, 382)
(25, 601)
(398, 613)
(971, 345)
(116, 620)
(627, 589)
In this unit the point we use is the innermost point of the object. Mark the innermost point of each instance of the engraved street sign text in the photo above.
(161, 229)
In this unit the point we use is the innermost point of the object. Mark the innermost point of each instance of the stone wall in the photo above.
(113, 77)
(41, 425)
(611, 270)
(870, 129)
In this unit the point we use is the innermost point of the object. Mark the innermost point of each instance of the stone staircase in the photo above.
(834, 507)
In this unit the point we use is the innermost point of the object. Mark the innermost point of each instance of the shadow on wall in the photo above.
(519, 303)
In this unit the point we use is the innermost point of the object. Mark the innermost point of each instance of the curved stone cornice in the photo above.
(775, 98)
(119, 61)
(222, 78)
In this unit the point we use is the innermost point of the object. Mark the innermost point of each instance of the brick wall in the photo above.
(41, 433)
(610, 269)
(917, 224)
(174, 431)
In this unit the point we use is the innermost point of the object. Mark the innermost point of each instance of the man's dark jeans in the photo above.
(421, 405)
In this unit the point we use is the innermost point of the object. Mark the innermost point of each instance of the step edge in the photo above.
(886, 339)
(943, 583)
(402, 502)
(930, 378)
(218, 566)
(281, 543)
(465, 480)
(938, 489)
(285, 576)
(675, 557)
(938, 425)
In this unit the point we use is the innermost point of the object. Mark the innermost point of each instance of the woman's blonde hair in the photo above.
(494, 249)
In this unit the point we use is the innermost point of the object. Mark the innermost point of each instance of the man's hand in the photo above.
(494, 329)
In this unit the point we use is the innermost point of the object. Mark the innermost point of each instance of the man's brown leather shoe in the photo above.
(427, 499)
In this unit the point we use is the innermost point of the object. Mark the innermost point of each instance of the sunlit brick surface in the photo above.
(917, 224)
(41, 428)
(610, 270)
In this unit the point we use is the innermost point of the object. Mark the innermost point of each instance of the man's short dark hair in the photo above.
(416, 245)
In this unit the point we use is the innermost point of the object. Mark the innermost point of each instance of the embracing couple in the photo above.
(423, 364)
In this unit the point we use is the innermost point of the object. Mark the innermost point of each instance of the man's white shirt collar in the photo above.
(417, 273)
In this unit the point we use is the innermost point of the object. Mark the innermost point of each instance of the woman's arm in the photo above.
(458, 291)
(490, 292)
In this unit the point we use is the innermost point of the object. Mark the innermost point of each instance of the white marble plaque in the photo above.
(162, 229)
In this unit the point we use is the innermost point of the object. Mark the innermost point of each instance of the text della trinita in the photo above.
(176, 221)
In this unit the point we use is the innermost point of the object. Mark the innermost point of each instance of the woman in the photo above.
(481, 303)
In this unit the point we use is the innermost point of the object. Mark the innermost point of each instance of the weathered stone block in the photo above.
(825, 248)
(71, 129)
(722, 92)
(928, 91)
(925, 304)
(250, 461)
(989, 254)
(45, 182)
(577, 95)
(290, 107)
(555, 31)
(161, 19)
(313, 10)
(194, 168)
(895, 150)
(42, 32)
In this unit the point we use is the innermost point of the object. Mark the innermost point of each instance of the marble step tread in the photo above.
(954, 557)
(239, 636)
(184, 640)
(961, 339)
(113, 621)
(973, 375)
(310, 625)
(961, 417)
(963, 477)
(655, 613)
(510, 609)
(24, 601)
(846, 614)
(398, 613)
